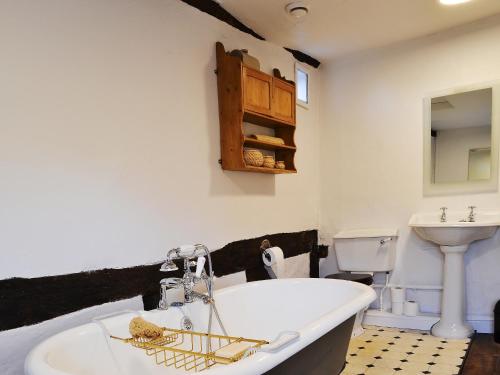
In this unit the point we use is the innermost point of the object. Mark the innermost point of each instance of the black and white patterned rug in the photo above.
(394, 351)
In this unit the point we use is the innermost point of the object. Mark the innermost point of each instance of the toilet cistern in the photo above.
(454, 237)
(365, 250)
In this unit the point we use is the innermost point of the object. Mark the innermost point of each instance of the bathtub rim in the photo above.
(256, 364)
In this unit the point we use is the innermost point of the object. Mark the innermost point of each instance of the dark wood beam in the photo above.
(214, 9)
(304, 58)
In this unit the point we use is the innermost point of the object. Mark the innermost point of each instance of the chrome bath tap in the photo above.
(189, 279)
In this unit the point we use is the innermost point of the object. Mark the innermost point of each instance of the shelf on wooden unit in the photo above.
(249, 168)
(262, 120)
(252, 142)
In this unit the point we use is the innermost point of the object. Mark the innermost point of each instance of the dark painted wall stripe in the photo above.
(29, 301)
(214, 9)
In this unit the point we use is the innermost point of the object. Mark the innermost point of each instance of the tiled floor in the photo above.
(391, 351)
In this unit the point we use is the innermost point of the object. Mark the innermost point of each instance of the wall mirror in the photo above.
(461, 141)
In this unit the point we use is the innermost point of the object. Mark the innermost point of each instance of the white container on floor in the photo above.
(397, 308)
(411, 308)
(397, 300)
(398, 294)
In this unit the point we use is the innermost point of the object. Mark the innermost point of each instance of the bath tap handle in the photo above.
(200, 265)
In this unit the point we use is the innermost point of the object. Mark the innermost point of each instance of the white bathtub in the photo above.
(259, 310)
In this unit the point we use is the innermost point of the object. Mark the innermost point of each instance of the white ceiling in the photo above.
(336, 28)
(465, 110)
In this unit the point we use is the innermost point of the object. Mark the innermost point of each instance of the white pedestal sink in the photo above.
(454, 237)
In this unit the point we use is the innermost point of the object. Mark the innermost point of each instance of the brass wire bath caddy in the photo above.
(194, 351)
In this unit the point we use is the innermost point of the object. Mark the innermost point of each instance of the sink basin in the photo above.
(455, 231)
(454, 237)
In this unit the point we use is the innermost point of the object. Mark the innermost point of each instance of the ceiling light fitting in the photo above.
(297, 9)
(453, 2)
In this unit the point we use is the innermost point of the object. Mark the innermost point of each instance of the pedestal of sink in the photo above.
(452, 324)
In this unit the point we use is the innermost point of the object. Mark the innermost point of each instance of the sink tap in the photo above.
(472, 214)
(443, 214)
(189, 279)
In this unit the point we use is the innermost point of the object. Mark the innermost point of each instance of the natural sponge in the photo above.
(139, 327)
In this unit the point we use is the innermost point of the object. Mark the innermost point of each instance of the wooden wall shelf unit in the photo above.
(251, 96)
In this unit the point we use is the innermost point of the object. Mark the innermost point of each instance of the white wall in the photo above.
(371, 152)
(452, 151)
(109, 141)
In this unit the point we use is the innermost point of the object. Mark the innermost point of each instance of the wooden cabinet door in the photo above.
(283, 101)
(257, 91)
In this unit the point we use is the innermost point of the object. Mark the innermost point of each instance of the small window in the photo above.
(302, 82)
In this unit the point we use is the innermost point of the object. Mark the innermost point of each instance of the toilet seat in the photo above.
(356, 277)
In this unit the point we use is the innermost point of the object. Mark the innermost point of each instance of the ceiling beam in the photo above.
(214, 9)
(303, 57)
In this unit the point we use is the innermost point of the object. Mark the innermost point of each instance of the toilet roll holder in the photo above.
(264, 246)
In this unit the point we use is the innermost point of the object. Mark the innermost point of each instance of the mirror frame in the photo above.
(466, 187)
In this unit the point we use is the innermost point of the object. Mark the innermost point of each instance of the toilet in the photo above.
(362, 252)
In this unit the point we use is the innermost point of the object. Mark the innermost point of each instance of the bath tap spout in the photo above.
(165, 284)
